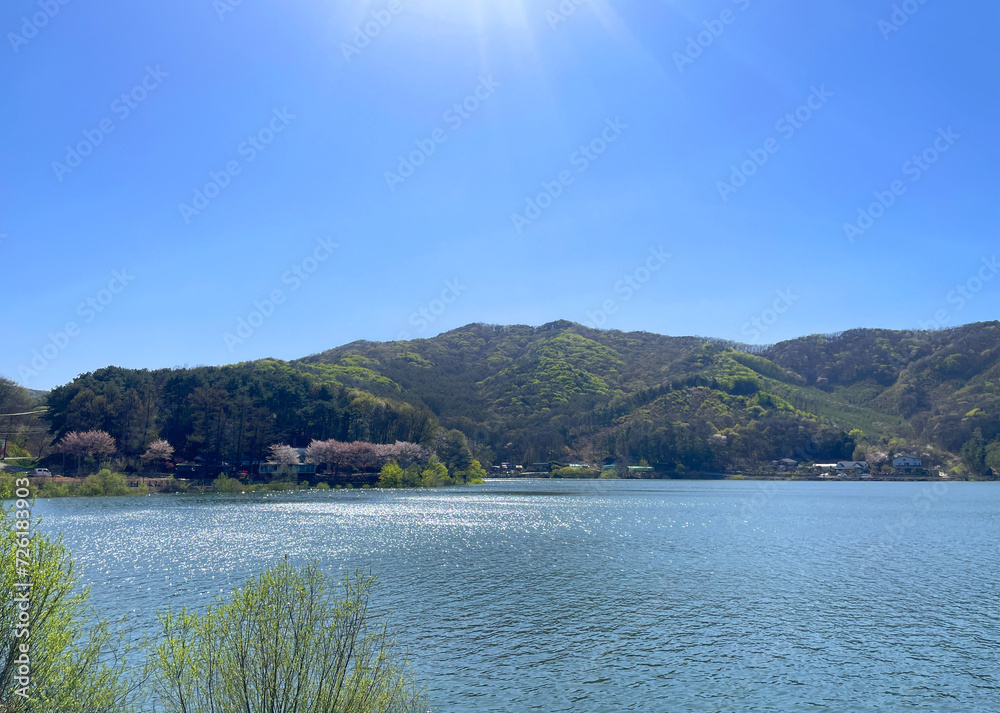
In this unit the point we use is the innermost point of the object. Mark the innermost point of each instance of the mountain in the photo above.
(564, 392)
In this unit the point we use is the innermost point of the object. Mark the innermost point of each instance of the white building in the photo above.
(907, 462)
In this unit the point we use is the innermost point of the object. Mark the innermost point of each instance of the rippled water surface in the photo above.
(612, 595)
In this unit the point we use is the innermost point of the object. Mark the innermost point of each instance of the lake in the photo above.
(548, 595)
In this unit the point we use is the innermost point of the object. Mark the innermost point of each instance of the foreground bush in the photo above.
(291, 640)
(282, 485)
(225, 484)
(574, 473)
(74, 661)
(172, 485)
(106, 482)
(62, 490)
(6, 485)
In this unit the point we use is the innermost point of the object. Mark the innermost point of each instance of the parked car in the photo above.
(42, 472)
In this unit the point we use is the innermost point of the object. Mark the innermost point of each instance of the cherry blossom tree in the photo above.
(282, 454)
(364, 456)
(159, 450)
(87, 444)
(331, 452)
(410, 453)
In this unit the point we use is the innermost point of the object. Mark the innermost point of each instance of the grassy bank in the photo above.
(104, 482)
(110, 483)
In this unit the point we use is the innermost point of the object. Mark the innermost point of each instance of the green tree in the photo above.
(896, 445)
(974, 453)
(474, 474)
(391, 476)
(435, 474)
(411, 476)
(76, 665)
(289, 640)
(993, 456)
(453, 449)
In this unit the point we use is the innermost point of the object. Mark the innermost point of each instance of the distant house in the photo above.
(855, 466)
(907, 462)
(784, 463)
(540, 467)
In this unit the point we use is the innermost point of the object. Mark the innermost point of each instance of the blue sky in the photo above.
(275, 179)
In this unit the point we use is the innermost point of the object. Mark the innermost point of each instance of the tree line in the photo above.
(229, 414)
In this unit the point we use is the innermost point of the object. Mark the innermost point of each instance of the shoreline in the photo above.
(741, 476)
(200, 490)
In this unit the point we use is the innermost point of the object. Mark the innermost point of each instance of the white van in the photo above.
(42, 472)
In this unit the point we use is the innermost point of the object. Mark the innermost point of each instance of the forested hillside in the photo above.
(563, 392)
